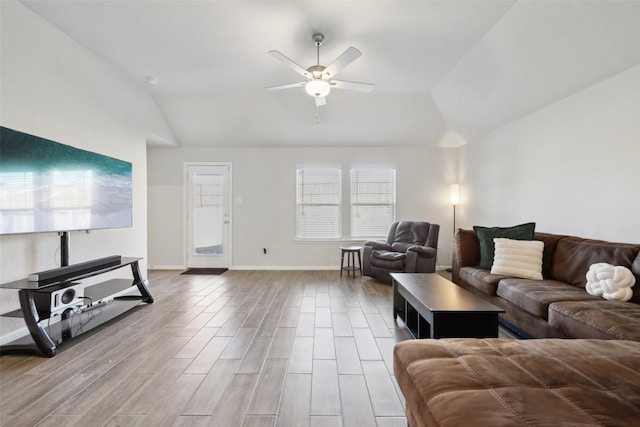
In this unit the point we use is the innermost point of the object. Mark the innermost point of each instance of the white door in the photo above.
(208, 215)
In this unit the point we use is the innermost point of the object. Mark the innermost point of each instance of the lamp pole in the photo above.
(455, 199)
(454, 220)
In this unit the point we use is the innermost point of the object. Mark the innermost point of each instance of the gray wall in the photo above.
(263, 209)
(573, 167)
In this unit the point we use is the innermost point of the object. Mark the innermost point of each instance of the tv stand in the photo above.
(63, 309)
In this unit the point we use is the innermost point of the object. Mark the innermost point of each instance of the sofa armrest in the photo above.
(466, 252)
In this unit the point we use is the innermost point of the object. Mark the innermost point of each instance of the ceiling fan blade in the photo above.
(289, 86)
(347, 57)
(289, 63)
(357, 86)
(321, 100)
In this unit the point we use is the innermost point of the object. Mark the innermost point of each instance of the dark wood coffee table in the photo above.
(433, 307)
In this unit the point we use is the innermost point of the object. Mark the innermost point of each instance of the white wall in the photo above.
(54, 88)
(572, 167)
(263, 197)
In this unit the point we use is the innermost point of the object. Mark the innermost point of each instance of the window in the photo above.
(373, 201)
(318, 203)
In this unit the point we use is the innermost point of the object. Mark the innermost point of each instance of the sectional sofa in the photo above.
(503, 382)
(558, 305)
(593, 379)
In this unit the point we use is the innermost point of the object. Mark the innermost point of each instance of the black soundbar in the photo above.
(63, 273)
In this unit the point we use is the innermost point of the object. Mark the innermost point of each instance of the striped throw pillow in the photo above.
(518, 258)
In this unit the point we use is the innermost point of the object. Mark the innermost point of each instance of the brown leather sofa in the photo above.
(502, 382)
(558, 305)
(410, 247)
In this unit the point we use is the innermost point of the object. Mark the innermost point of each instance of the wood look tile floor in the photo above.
(247, 348)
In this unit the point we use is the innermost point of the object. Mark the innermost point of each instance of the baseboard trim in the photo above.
(166, 267)
(284, 267)
(254, 267)
(14, 335)
(267, 267)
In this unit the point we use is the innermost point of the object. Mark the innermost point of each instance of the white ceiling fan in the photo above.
(320, 79)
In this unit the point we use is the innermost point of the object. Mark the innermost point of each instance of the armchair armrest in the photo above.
(426, 251)
(421, 259)
(370, 246)
(378, 244)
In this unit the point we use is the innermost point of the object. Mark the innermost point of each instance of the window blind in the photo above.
(318, 203)
(373, 201)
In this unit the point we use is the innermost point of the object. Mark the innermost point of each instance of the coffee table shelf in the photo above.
(433, 307)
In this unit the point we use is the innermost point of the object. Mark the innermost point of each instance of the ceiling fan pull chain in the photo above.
(317, 115)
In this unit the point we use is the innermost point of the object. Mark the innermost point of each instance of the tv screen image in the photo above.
(46, 186)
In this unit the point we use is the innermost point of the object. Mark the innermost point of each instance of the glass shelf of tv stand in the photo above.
(26, 284)
(106, 300)
(64, 326)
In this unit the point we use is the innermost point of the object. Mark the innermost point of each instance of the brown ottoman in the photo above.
(503, 382)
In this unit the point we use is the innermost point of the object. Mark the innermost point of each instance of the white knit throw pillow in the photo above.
(518, 258)
(611, 282)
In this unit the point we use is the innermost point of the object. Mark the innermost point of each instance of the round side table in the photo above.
(351, 266)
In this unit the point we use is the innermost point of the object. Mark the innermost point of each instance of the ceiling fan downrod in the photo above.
(318, 39)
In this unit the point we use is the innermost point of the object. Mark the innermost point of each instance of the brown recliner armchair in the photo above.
(411, 247)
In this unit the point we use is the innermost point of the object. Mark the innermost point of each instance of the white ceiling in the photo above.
(445, 71)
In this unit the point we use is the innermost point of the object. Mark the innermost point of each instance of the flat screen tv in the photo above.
(46, 186)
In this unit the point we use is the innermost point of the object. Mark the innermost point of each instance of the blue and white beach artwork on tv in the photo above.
(46, 186)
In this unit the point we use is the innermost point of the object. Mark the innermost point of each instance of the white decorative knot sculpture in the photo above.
(610, 281)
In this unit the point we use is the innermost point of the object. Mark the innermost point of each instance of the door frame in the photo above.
(185, 208)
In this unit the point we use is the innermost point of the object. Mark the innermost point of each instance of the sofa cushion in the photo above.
(389, 260)
(487, 234)
(550, 242)
(574, 256)
(500, 382)
(413, 232)
(596, 319)
(481, 280)
(518, 258)
(535, 296)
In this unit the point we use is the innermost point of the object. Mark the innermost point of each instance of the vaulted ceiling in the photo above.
(445, 72)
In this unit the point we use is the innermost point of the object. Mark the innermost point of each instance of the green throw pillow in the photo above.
(487, 234)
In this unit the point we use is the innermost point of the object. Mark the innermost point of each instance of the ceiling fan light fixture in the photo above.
(317, 87)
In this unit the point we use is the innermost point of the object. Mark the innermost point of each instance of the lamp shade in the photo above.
(454, 194)
(317, 87)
